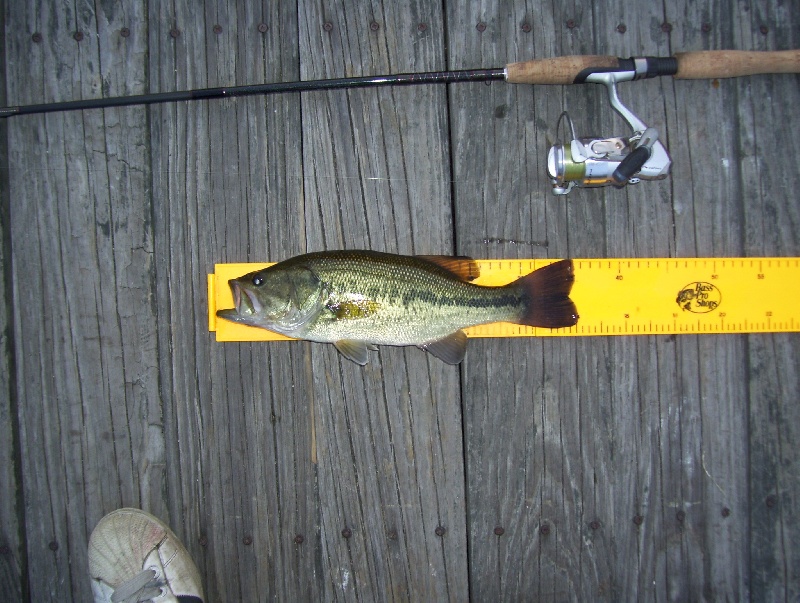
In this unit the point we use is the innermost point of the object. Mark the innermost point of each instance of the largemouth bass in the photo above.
(359, 299)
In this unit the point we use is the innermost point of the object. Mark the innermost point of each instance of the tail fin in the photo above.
(546, 295)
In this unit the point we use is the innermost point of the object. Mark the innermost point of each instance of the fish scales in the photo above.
(356, 299)
(414, 303)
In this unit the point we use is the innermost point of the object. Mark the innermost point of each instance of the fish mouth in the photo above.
(246, 304)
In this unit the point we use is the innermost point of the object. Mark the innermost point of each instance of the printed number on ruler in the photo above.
(619, 297)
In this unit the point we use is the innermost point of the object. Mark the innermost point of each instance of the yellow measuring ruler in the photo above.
(642, 296)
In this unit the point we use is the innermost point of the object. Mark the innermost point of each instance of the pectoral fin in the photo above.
(353, 350)
(451, 349)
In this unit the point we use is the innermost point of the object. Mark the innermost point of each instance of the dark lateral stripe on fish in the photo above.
(355, 299)
(511, 299)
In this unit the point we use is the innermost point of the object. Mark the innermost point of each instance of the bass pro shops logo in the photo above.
(699, 297)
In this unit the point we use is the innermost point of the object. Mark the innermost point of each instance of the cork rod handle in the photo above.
(561, 70)
(704, 64)
(710, 64)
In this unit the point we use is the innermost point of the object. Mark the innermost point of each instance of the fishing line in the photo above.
(579, 162)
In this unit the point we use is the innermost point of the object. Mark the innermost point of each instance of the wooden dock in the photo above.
(646, 468)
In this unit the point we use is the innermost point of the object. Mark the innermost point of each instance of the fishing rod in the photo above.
(584, 162)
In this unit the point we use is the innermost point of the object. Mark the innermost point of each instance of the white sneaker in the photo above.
(135, 558)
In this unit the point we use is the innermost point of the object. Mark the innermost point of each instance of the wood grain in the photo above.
(633, 468)
(84, 326)
(12, 522)
(768, 180)
(644, 445)
(389, 435)
(229, 178)
(517, 475)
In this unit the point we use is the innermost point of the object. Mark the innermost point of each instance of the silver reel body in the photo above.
(615, 161)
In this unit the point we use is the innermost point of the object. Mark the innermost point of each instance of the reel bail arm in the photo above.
(616, 161)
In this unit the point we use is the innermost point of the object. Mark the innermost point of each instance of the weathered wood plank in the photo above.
(660, 468)
(523, 446)
(84, 326)
(639, 378)
(767, 119)
(238, 418)
(388, 435)
(674, 383)
(752, 212)
(700, 471)
(12, 518)
(649, 411)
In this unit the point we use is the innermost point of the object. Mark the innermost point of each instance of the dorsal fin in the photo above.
(462, 266)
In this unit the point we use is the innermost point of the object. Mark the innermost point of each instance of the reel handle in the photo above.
(711, 64)
(629, 166)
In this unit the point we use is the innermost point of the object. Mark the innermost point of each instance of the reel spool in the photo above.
(616, 161)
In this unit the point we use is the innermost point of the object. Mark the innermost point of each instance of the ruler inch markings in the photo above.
(617, 297)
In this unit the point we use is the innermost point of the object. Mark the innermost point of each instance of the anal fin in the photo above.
(354, 350)
(451, 349)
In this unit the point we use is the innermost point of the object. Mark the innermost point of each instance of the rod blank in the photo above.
(431, 77)
(562, 70)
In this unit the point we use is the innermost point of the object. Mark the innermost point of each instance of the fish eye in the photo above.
(258, 280)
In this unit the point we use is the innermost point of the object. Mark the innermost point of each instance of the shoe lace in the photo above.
(143, 587)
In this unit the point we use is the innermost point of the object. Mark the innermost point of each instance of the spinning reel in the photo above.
(616, 161)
